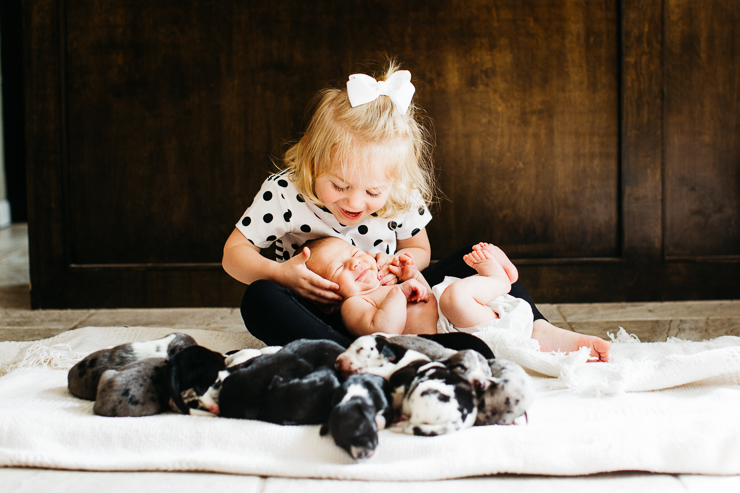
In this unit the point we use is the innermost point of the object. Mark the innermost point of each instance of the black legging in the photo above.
(277, 315)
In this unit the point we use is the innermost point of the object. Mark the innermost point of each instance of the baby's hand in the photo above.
(385, 275)
(404, 267)
(414, 291)
(295, 275)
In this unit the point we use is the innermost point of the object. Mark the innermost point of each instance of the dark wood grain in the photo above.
(600, 155)
(702, 108)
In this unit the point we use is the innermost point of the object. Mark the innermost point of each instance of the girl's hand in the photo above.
(385, 275)
(296, 276)
(404, 267)
(414, 291)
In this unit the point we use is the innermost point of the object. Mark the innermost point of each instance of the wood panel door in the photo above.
(596, 142)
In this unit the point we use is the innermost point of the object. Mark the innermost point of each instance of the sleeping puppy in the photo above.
(438, 401)
(509, 395)
(300, 401)
(472, 366)
(266, 387)
(193, 372)
(376, 354)
(139, 389)
(360, 408)
(82, 379)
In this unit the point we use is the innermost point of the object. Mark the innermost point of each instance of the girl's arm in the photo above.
(419, 248)
(243, 262)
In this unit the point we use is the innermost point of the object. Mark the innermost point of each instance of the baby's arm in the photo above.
(361, 317)
(243, 262)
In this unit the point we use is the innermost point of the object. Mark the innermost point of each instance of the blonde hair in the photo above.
(339, 134)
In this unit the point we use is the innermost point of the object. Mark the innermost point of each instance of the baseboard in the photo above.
(4, 213)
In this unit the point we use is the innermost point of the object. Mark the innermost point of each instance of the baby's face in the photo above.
(355, 271)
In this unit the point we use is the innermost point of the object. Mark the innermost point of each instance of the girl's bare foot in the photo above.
(553, 338)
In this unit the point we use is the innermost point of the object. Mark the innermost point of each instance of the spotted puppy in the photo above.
(436, 401)
(376, 354)
(360, 408)
(509, 395)
(139, 389)
(472, 366)
(83, 378)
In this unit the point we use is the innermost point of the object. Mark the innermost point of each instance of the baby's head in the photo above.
(375, 146)
(355, 271)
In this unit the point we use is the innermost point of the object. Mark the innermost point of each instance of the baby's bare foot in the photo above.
(498, 254)
(484, 263)
(553, 338)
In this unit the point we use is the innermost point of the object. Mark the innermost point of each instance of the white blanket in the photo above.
(584, 421)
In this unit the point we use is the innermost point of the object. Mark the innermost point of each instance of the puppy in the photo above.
(431, 349)
(193, 373)
(438, 401)
(472, 366)
(376, 354)
(266, 387)
(139, 389)
(83, 378)
(360, 408)
(300, 401)
(509, 395)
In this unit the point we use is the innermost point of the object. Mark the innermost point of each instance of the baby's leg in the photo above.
(464, 301)
(553, 338)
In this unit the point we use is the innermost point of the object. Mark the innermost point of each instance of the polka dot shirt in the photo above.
(280, 214)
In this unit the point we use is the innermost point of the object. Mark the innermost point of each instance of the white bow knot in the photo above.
(363, 89)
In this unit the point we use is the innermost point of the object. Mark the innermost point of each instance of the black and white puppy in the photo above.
(139, 389)
(193, 373)
(83, 378)
(509, 395)
(291, 386)
(360, 408)
(376, 354)
(436, 401)
(472, 366)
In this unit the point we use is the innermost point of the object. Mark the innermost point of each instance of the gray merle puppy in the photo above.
(509, 395)
(83, 378)
(139, 389)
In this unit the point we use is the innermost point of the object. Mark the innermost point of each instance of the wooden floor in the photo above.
(649, 321)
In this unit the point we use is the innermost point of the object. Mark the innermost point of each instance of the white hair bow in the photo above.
(363, 89)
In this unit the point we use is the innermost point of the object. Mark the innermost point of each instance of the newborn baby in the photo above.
(412, 306)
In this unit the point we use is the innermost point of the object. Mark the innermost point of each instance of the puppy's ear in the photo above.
(391, 352)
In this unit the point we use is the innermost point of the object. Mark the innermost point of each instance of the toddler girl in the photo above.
(362, 172)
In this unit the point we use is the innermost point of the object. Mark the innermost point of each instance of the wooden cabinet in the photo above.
(598, 142)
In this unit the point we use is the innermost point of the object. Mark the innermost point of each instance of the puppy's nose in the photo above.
(480, 384)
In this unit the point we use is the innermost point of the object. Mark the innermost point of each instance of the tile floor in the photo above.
(649, 321)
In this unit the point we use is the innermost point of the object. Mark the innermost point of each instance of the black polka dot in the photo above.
(306, 228)
(271, 238)
(388, 249)
(337, 232)
(246, 221)
(286, 255)
(267, 196)
(294, 246)
(267, 218)
(421, 211)
(287, 216)
(283, 196)
(362, 229)
(283, 183)
(300, 198)
(392, 225)
(325, 209)
(400, 226)
(342, 225)
(374, 214)
(353, 242)
(413, 233)
(377, 242)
